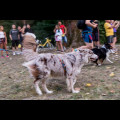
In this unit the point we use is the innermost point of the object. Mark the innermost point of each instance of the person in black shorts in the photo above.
(21, 38)
(95, 35)
(14, 36)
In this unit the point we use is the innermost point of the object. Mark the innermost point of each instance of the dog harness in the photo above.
(63, 65)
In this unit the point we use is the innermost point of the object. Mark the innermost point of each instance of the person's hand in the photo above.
(63, 34)
(95, 25)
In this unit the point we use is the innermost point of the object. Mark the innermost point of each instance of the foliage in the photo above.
(43, 28)
(102, 31)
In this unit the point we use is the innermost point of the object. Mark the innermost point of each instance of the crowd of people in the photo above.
(16, 36)
(60, 36)
(90, 35)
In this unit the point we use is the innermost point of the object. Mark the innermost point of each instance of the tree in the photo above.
(73, 34)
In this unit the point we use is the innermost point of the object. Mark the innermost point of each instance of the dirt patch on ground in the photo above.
(94, 82)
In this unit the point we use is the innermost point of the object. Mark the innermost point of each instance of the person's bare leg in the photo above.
(88, 46)
(114, 41)
(94, 43)
(65, 45)
(61, 46)
(58, 46)
(21, 48)
(5, 46)
(111, 44)
(1, 46)
(91, 45)
(13, 49)
(98, 43)
(17, 48)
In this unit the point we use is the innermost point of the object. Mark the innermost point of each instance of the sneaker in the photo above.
(17, 52)
(62, 51)
(13, 53)
(2, 56)
(21, 53)
(7, 56)
(64, 48)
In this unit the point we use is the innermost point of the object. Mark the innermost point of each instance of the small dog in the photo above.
(67, 66)
(102, 53)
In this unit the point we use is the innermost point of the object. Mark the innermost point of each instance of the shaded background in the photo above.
(43, 28)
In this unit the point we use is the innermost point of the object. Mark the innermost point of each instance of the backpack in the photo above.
(81, 24)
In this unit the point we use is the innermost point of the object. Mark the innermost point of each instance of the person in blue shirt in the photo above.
(87, 34)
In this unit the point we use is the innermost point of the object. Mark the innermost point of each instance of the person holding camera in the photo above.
(110, 32)
(95, 35)
(87, 34)
(115, 33)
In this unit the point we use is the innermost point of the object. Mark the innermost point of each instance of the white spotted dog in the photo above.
(64, 66)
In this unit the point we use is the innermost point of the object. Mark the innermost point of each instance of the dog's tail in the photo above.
(30, 46)
(29, 64)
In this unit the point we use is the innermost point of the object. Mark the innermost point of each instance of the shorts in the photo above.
(15, 43)
(57, 38)
(115, 34)
(2, 40)
(87, 37)
(64, 39)
(110, 39)
(95, 37)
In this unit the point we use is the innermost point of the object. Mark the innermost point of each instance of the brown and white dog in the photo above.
(64, 66)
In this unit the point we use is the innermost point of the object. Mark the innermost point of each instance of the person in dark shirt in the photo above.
(21, 38)
(28, 29)
(87, 34)
(95, 35)
(14, 36)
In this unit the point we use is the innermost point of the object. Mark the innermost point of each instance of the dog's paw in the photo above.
(49, 92)
(40, 94)
(75, 91)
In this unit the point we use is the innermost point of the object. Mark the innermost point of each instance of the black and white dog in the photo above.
(103, 53)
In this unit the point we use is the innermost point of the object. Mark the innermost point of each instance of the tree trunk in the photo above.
(73, 34)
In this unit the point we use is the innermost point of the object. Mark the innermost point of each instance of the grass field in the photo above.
(94, 82)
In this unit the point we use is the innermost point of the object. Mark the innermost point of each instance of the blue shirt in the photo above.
(88, 28)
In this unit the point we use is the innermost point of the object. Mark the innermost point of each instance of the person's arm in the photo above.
(10, 35)
(18, 35)
(65, 31)
(54, 30)
(87, 22)
(23, 31)
(5, 38)
(117, 25)
(113, 25)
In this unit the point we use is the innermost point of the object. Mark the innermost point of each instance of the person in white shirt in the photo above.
(58, 38)
(3, 41)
